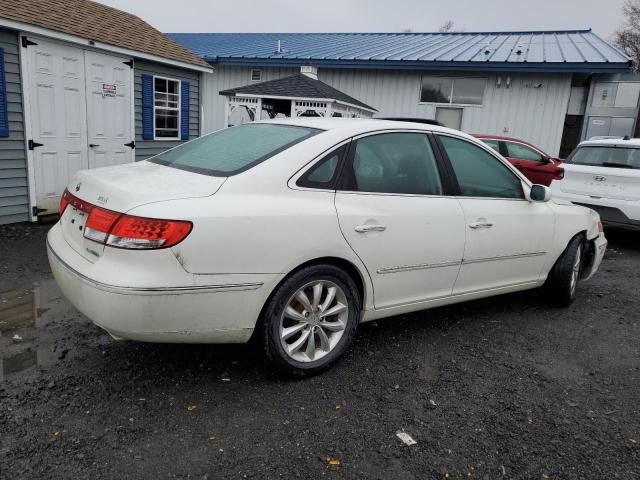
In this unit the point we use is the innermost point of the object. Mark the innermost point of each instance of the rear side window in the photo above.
(393, 163)
(615, 157)
(492, 143)
(479, 173)
(517, 150)
(323, 174)
(234, 150)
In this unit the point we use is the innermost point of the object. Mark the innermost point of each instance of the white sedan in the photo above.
(298, 230)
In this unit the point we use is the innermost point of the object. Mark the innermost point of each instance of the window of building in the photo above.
(393, 163)
(256, 75)
(453, 90)
(479, 173)
(166, 108)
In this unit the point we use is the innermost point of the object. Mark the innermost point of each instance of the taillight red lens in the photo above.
(559, 174)
(147, 233)
(99, 224)
(127, 231)
(64, 201)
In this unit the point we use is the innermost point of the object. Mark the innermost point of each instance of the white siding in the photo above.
(533, 114)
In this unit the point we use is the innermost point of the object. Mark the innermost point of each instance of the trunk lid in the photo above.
(601, 182)
(123, 187)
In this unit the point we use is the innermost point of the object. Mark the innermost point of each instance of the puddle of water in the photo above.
(29, 336)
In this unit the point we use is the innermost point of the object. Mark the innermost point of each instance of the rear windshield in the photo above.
(615, 157)
(233, 150)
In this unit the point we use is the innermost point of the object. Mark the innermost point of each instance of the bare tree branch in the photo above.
(446, 27)
(627, 37)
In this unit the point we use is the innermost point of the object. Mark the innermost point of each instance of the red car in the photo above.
(536, 165)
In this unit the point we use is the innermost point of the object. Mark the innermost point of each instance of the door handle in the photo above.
(370, 228)
(93, 145)
(476, 225)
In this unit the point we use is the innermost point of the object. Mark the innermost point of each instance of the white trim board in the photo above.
(46, 32)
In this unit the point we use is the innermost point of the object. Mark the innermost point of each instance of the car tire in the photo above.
(562, 282)
(310, 320)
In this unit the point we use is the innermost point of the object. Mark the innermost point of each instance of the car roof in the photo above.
(356, 126)
(612, 142)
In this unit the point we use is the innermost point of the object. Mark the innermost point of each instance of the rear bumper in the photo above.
(614, 213)
(220, 312)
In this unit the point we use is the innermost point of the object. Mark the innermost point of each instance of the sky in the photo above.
(603, 16)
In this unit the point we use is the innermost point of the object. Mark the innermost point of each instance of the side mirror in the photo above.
(540, 193)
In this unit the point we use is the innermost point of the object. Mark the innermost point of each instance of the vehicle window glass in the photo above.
(517, 150)
(616, 157)
(393, 163)
(323, 173)
(233, 150)
(492, 143)
(479, 173)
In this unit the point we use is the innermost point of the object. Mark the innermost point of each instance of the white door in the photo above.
(58, 118)
(108, 81)
(80, 110)
(506, 236)
(393, 214)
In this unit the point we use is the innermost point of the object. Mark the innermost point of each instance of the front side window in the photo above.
(233, 150)
(522, 152)
(166, 108)
(601, 156)
(453, 90)
(393, 163)
(479, 173)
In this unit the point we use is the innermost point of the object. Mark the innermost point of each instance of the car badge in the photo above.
(78, 186)
(600, 178)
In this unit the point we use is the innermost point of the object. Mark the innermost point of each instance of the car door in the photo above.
(533, 164)
(394, 214)
(507, 236)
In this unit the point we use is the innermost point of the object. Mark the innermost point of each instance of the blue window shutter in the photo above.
(147, 107)
(184, 110)
(4, 115)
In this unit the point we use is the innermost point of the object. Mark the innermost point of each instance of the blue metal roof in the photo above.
(550, 51)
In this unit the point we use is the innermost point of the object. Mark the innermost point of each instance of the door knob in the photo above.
(476, 225)
(93, 145)
(370, 228)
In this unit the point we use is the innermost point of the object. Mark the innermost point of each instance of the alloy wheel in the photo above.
(313, 321)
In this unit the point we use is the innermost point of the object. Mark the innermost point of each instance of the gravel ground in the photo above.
(506, 387)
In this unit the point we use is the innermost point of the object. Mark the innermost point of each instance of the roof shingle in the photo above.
(97, 22)
(296, 86)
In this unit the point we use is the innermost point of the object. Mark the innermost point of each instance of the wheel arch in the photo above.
(347, 266)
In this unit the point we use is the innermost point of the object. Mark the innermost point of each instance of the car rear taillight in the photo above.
(127, 231)
(64, 201)
(559, 174)
(145, 233)
(99, 224)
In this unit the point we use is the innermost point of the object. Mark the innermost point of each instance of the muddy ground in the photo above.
(507, 387)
